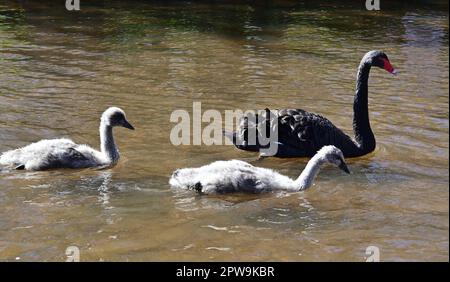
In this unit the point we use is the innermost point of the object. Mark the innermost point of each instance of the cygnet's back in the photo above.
(48, 154)
(228, 177)
(238, 176)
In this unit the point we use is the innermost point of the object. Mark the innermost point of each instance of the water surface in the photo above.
(60, 70)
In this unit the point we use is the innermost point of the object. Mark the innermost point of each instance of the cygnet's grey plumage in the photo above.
(238, 176)
(64, 153)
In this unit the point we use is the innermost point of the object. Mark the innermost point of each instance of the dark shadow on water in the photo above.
(117, 22)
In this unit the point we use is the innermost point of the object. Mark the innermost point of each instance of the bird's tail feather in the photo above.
(249, 124)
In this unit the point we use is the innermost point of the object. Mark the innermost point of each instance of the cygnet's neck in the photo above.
(306, 178)
(107, 144)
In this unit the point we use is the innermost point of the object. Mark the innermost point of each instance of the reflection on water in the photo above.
(60, 70)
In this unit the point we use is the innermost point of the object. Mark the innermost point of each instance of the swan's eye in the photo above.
(335, 159)
(116, 116)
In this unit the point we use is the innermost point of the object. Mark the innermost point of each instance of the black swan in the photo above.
(222, 177)
(301, 134)
(64, 153)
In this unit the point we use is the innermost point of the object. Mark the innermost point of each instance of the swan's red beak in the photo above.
(388, 67)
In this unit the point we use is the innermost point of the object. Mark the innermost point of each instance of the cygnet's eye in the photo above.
(117, 117)
(336, 159)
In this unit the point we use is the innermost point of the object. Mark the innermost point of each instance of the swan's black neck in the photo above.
(365, 140)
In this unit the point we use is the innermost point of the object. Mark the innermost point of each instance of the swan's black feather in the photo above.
(300, 133)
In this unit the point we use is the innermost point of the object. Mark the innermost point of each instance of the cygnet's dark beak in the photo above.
(128, 125)
(343, 166)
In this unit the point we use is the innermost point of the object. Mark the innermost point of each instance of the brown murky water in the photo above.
(60, 70)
